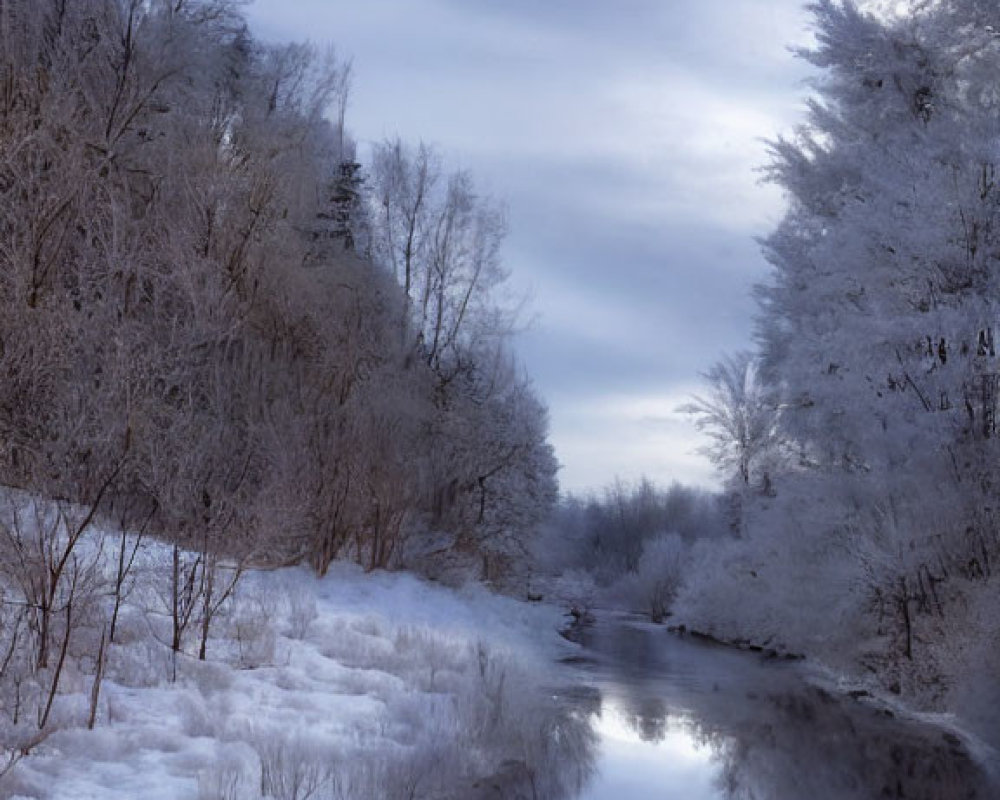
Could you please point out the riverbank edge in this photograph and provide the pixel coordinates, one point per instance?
(866, 692)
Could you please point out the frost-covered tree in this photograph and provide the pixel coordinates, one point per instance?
(879, 314)
(652, 588)
(878, 329)
(490, 472)
(193, 330)
(740, 416)
(441, 238)
(492, 478)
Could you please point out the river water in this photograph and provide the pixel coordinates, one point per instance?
(676, 718)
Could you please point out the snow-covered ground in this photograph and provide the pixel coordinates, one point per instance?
(350, 686)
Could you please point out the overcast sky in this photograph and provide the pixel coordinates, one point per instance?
(624, 137)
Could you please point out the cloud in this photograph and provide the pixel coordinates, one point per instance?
(629, 435)
(625, 138)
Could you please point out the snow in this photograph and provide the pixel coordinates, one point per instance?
(389, 666)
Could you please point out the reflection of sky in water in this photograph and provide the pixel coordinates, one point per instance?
(630, 767)
(676, 720)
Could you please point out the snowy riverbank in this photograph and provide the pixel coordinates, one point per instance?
(352, 685)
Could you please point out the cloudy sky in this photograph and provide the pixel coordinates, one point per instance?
(624, 137)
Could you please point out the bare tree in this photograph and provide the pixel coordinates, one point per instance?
(740, 416)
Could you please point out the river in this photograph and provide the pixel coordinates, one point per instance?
(676, 718)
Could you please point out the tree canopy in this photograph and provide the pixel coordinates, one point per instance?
(204, 309)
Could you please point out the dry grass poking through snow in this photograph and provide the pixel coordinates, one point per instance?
(354, 686)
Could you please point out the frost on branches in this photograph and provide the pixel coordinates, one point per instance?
(878, 333)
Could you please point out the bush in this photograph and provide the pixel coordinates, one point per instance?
(576, 590)
(652, 588)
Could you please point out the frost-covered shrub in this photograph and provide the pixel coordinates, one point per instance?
(141, 663)
(788, 583)
(291, 767)
(576, 590)
(251, 613)
(227, 780)
(256, 641)
(196, 719)
(431, 659)
(301, 611)
(540, 747)
(429, 768)
(362, 642)
(651, 589)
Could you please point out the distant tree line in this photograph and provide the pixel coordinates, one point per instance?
(627, 546)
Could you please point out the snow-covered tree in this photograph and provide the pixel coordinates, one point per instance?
(878, 323)
(740, 416)
(192, 322)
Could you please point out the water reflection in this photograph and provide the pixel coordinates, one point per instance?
(632, 766)
(682, 720)
(648, 718)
